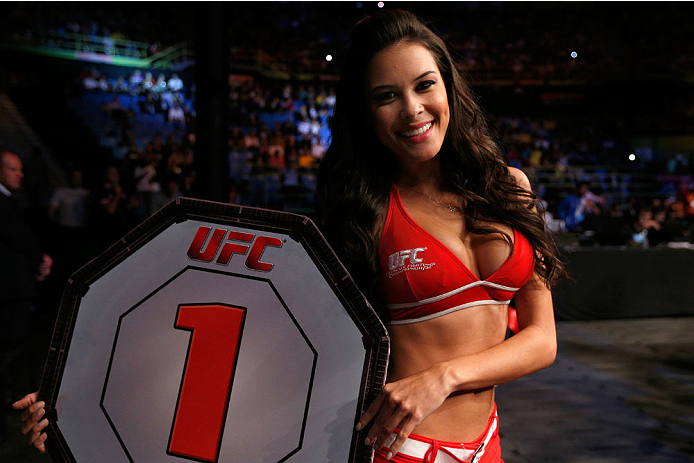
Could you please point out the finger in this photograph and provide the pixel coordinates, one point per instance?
(40, 443)
(26, 414)
(31, 421)
(42, 424)
(32, 409)
(370, 412)
(35, 435)
(25, 401)
(402, 436)
(380, 425)
(395, 421)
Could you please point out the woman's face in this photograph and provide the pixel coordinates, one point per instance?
(408, 102)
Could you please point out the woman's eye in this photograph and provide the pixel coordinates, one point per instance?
(385, 96)
(425, 85)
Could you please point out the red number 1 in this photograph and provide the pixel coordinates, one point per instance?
(204, 396)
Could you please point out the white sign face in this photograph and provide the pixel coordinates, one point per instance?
(213, 334)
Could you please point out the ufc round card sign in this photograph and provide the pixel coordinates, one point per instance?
(213, 333)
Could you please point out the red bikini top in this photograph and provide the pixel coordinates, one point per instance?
(422, 279)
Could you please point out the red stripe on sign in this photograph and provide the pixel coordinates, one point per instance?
(207, 377)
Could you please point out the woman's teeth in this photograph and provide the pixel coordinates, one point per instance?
(419, 131)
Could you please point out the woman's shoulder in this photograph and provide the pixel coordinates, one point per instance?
(520, 177)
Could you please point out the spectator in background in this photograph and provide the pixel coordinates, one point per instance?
(177, 117)
(150, 103)
(160, 84)
(236, 140)
(568, 210)
(251, 140)
(91, 81)
(21, 264)
(175, 83)
(306, 159)
(135, 81)
(115, 109)
(304, 126)
(661, 234)
(317, 148)
(146, 182)
(170, 191)
(148, 82)
(72, 241)
(37, 184)
(69, 205)
(115, 213)
(121, 86)
(637, 231)
(589, 207)
(575, 206)
(103, 84)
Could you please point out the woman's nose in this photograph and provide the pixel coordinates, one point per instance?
(412, 107)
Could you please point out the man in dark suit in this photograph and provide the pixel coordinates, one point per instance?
(21, 264)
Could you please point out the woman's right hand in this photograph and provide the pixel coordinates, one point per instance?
(404, 404)
(31, 426)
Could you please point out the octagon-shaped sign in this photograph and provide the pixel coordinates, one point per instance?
(214, 333)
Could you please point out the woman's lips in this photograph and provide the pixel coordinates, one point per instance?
(419, 134)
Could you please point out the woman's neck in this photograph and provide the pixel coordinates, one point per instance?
(425, 175)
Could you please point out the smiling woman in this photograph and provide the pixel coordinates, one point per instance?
(417, 201)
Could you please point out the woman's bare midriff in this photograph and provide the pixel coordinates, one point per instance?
(464, 415)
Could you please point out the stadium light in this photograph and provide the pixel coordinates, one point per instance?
(328, 57)
(381, 4)
(632, 157)
(574, 54)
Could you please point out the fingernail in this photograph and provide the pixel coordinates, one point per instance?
(367, 441)
(358, 428)
(389, 455)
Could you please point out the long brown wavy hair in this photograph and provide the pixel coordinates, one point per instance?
(357, 173)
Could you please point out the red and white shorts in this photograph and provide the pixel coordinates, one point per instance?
(419, 449)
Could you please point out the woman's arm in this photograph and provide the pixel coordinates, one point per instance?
(532, 349)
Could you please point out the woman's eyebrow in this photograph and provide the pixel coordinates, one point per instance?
(419, 77)
(382, 87)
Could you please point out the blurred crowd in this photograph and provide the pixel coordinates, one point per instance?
(279, 128)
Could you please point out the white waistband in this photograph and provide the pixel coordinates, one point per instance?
(416, 449)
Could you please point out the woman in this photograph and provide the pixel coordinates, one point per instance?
(418, 202)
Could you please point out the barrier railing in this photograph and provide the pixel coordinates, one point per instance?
(109, 50)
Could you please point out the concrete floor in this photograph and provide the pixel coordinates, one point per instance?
(620, 391)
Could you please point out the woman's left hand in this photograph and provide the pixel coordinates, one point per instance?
(31, 426)
(404, 404)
